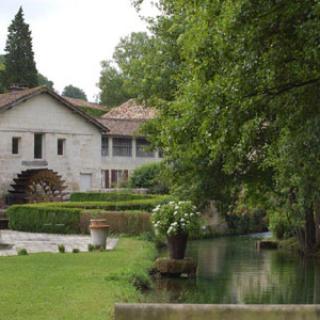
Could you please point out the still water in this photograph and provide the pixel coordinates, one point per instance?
(231, 270)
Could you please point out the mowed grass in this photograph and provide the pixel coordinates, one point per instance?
(72, 286)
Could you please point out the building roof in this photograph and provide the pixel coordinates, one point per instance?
(131, 110)
(86, 104)
(127, 119)
(11, 99)
(122, 127)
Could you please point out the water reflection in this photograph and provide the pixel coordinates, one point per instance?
(231, 270)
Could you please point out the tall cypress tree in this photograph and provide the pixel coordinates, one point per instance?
(19, 57)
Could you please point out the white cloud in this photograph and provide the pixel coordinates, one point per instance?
(72, 37)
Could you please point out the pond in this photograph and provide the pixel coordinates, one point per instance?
(231, 270)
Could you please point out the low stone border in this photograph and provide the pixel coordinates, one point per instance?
(43, 242)
(216, 312)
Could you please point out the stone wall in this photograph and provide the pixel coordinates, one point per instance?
(216, 312)
(43, 114)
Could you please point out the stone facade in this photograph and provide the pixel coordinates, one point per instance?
(82, 165)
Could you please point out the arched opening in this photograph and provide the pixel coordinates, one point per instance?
(36, 185)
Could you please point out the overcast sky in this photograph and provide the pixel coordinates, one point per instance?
(72, 37)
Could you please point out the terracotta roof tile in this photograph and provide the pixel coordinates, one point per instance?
(131, 110)
(7, 99)
(122, 127)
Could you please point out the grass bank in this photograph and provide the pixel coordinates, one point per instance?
(70, 286)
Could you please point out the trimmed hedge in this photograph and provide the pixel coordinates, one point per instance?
(128, 217)
(141, 204)
(107, 196)
(38, 218)
(131, 223)
(35, 218)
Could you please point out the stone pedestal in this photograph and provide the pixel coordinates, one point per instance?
(99, 231)
(176, 268)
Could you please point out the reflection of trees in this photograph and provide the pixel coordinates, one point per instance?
(292, 280)
(231, 271)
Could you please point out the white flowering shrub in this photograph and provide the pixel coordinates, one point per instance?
(175, 218)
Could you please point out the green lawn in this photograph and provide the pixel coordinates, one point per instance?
(72, 286)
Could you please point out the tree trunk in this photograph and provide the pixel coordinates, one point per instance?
(310, 231)
(317, 223)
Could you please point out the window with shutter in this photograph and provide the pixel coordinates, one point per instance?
(122, 147)
(118, 177)
(15, 145)
(142, 149)
(104, 146)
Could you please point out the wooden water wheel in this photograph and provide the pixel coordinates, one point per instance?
(37, 185)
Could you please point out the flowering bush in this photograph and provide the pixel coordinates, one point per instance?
(175, 217)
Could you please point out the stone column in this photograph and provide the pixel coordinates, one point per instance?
(134, 148)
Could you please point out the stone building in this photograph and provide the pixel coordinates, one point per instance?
(41, 130)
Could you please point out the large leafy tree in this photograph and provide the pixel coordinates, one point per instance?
(246, 106)
(74, 92)
(19, 56)
(143, 66)
(112, 85)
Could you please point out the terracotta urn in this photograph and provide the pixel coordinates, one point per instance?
(99, 232)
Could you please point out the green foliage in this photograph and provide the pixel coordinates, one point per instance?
(40, 218)
(280, 225)
(22, 252)
(44, 81)
(2, 73)
(144, 67)
(130, 223)
(61, 248)
(124, 216)
(91, 247)
(112, 85)
(137, 274)
(149, 176)
(139, 204)
(247, 221)
(75, 250)
(176, 217)
(97, 113)
(74, 92)
(108, 196)
(19, 58)
(245, 108)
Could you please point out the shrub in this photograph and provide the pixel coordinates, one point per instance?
(107, 196)
(75, 250)
(122, 222)
(127, 217)
(138, 204)
(149, 176)
(176, 217)
(91, 247)
(61, 248)
(280, 225)
(41, 218)
(247, 220)
(22, 252)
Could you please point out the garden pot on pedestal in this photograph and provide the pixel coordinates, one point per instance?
(99, 231)
(177, 245)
